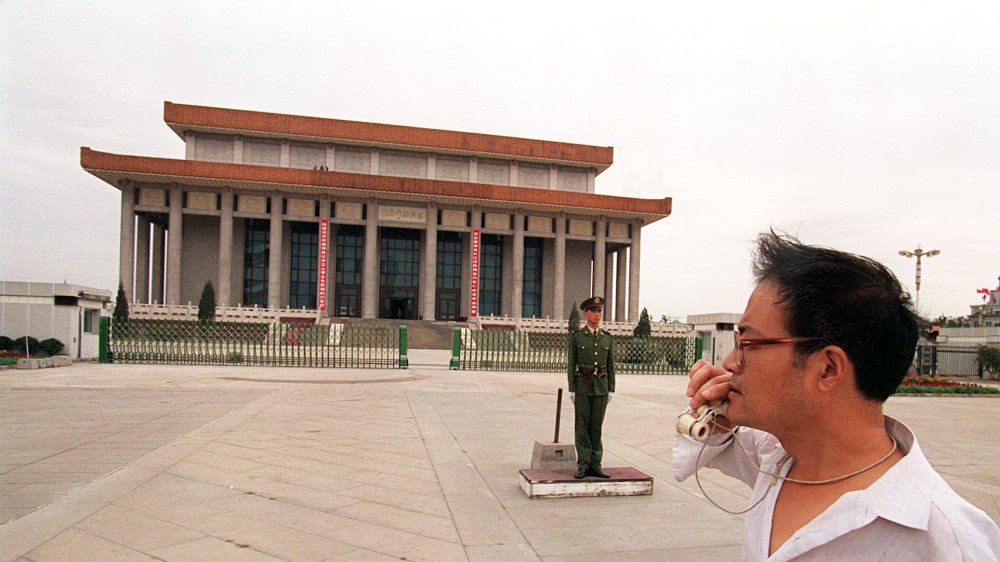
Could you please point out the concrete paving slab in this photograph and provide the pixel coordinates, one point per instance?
(134, 462)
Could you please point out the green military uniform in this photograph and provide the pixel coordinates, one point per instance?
(589, 350)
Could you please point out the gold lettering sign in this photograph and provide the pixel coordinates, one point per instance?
(402, 214)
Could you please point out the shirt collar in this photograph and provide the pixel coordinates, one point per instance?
(912, 473)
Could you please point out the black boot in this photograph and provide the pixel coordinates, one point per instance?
(598, 473)
(580, 473)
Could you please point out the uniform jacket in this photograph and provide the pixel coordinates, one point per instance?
(596, 349)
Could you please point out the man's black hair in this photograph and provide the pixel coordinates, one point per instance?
(851, 301)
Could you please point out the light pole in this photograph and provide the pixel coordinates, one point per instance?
(918, 253)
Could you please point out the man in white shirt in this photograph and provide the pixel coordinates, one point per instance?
(825, 339)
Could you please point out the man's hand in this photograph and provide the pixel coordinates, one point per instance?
(610, 396)
(707, 382)
(572, 397)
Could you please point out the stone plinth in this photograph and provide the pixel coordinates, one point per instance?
(553, 455)
(559, 483)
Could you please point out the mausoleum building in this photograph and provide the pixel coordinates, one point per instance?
(369, 220)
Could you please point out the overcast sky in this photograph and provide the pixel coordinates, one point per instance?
(866, 126)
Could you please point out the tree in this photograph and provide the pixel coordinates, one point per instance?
(574, 319)
(121, 305)
(988, 358)
(206, 305)
(643, 328)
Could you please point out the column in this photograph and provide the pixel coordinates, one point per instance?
(553, 177)
(142, 260)
(175, 228)
(126, 248)
(331, 157)
(517, 269)
(285, 156)
(513, 173)
(238, 149)
(559, 286)
(224, 289)
(369, 279)
(633, 272)
(189, 145)
(609, 280)
(331, 251)
(620, 285)
(159, 241)
(275, 247)
(599, 257)
(476, 220)
(428, 281)
(431, 166)
(473, 170)
(373, 162)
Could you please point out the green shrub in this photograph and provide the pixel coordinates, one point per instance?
(32, 345)
(206, 305)
(6, 344)
(121, 304)
(51, 346)
(988, 358)
(574, 319)
(643, 328)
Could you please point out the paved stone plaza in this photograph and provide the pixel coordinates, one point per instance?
(125, 462)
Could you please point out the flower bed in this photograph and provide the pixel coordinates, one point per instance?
(924, 384)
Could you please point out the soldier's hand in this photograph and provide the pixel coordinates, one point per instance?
(572, 397)
(708, 382)
(610, 396)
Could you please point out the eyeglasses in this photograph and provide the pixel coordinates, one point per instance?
(741, 343)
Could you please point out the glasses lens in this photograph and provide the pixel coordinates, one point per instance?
(738, 346)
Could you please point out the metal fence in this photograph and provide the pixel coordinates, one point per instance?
(508, 350)
(287, 344)
(947, 360)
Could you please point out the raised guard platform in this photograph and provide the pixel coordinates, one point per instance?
(559, 483)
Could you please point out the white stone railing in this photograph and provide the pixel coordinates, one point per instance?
(222, 313)
(554, 325)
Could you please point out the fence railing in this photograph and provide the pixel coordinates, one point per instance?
(290, 344)
(508, 350)
(947, 360)
(550, 325)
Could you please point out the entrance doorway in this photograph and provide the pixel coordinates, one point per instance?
(399, 273)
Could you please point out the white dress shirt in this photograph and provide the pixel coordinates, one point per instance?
(909, 513)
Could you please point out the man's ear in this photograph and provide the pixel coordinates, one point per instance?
(833, 368)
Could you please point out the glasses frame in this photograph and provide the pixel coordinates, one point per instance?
(740, 343)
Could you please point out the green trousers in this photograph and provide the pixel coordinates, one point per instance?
(589, 419)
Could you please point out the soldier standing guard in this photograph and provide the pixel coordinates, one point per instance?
(591, 385)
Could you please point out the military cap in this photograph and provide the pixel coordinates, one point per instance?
(593, 302)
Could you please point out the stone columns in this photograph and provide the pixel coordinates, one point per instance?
(142, 260)
(559, 286)
(600, 250)
(224, 289)
(126, 248)
(175, 228)
(517, 269)
(370, 277)
(275, 247)
(609, 279)
(331, 251)
(633, 272)
(428, 266)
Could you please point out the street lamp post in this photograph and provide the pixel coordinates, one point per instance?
(918, 253)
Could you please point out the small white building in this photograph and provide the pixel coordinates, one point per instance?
(716, 333)
(68, 313)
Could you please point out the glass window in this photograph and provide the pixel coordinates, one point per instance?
(305, 257)
(91, 321)
(256, 245)
(399, 267)
(532, 306)
(349, 269)
(490, 274)
(449, 275)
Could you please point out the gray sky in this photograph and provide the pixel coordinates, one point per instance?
(867, 126)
